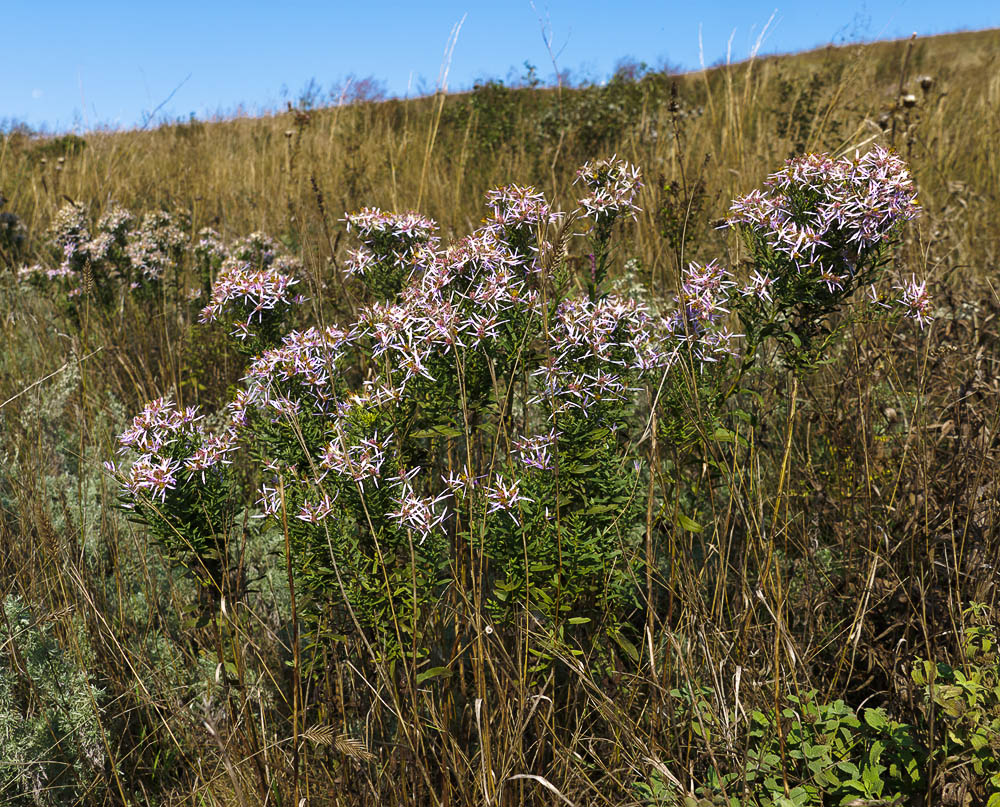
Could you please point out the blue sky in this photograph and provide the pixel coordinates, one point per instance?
(76, 65)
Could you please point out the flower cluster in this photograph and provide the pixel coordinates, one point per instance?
(825, 217)
(360, 462)
(421, 514)
(518, 217)
(536, 452)
(389, 432)
(704, 293)
(116, 222)
(36, 271)
(598, 348)
(466, 297)
(614, 185)
(374, 225)
(243, 295)
(154, 248)
(515, 206)
(698, 322)
(71, 236)
(210, 253)
(393, 244)
(299, 372)
(503, 497)
(121, 252)
(916, 301)
(171, 445)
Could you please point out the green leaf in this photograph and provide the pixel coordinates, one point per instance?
(434, 672)
(876, 718)
(578, 620)
(849, 768)
(875, 754)
(625, 644)
(816, 751)
(448, 431)
(978, 740)
(687, 524)
(723, 435)
(872, 780)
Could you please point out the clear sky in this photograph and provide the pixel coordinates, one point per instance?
(76, 65)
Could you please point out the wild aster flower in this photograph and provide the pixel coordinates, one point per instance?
(360, 261)
(503, 497)
(158, 425)
(596, 345)
(875, 298)
(116, 223)
(482, 328)
(422, 514)
(614, 185)
(155, 246)
(300, 367)
(243, 295)
(210, 248)
(461, 482)
(536, 452)
(361, 462)
(393, 237)
(315, 512)
(373, 224)
(269, 501)
(831, 279)
(156, 475)
(215, 450)
(34, 272)
(822, 214)
(71, 235)
(100, 246)
(517, 206)
(759, 286)
(915, 299)
(704, 292)
(395, 248)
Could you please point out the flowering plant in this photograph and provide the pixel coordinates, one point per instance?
(254, 302)
(473, 432)
(178, 482)
(819, 231)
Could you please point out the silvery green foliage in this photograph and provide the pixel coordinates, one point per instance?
(51, 749)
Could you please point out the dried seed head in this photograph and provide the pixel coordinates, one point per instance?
(909, 100)
(88, 278)
(926, 82)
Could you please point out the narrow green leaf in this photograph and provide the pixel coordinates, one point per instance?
(686, 523)
(433, 672)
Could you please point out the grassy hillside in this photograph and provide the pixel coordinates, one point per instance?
(772, 577)
(729, 128)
